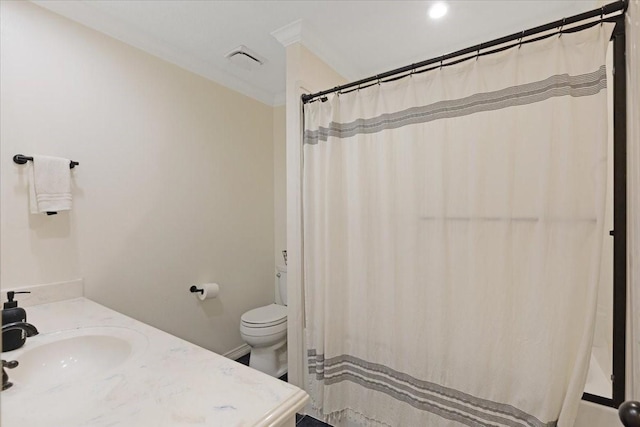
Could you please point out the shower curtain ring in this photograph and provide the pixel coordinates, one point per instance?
(561, 27)
(441, 62)
(521, 37)
(601, 15)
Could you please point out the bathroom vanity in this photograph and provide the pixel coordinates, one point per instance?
(92, 366)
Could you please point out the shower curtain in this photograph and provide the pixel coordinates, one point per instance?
(452, 235)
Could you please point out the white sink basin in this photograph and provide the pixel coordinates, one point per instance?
(73, 355)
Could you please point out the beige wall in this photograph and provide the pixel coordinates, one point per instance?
(279, 183)
(633, 197)
(174, 185)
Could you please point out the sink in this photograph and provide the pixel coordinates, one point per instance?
(73, 355)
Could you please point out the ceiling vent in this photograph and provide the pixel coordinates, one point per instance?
(245, 58)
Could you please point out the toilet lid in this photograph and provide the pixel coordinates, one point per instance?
(269, 314)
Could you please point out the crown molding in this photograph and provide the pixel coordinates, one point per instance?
(302, 32)
(82, 13)
(289, 34)
(280, 99)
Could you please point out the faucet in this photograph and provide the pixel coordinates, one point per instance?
(30, 331)
(28, 328)
(5, 378)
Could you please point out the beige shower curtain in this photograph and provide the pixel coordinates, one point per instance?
(452, 236)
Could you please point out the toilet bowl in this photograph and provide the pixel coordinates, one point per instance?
(264, 329)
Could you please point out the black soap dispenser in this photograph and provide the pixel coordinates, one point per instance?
(12, 313)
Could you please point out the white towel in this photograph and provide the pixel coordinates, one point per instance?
(49, 185)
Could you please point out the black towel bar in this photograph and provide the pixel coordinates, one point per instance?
(21, 159)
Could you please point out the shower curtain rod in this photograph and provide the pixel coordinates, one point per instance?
(559, 24)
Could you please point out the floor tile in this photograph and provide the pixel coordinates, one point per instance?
(308, 421)
(244, 359)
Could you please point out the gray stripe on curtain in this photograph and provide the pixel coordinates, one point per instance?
(554, 86)
(420, 394)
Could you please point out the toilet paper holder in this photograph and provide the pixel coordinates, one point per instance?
(205, 291)
(194, 289)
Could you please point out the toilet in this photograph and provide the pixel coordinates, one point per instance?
(265, 330)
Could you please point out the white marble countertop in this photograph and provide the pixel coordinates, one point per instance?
(169, 382)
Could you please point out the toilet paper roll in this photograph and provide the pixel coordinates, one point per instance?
(210, 290)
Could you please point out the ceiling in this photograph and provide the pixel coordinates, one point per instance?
(357, 38)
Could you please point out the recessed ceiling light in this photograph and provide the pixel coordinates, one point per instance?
(438, 10)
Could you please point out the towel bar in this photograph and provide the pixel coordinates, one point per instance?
(21, 159)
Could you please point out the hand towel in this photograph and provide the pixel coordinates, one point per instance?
(50, 185)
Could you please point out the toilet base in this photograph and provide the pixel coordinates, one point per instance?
(271, 360)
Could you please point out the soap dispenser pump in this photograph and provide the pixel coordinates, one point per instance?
(11, 313)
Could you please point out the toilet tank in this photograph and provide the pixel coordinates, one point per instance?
(282, 284)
